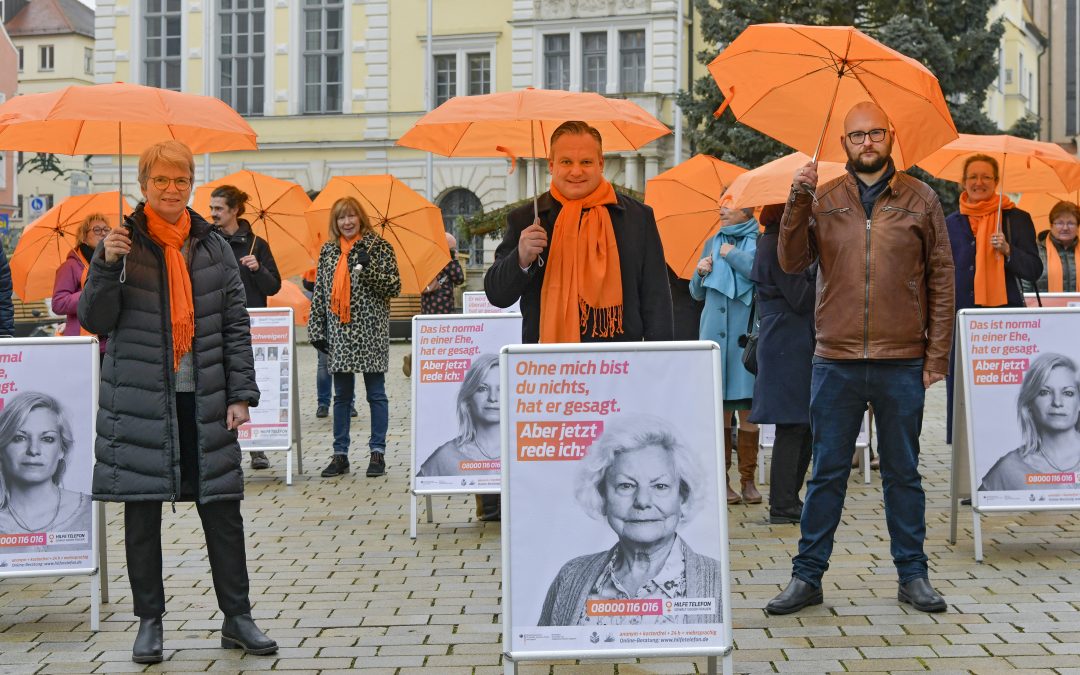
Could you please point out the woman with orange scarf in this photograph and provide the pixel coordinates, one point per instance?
(990, 261)
(71, 276)
(1058, 250)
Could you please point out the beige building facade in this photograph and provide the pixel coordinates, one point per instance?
(1016, 93)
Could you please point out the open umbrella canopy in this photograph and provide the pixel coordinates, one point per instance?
(686, 202)
(1039, 204)
(45, 243)
(771, 183)
(119, 118)
(1025, 165)
(291, 295)
(796, 84)
(519, 123)
(275, 208)
(411, 224)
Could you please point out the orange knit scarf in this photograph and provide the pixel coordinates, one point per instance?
(341, 290)
(171, 237)
(989, 264)
(1055, 273)
(583, 281)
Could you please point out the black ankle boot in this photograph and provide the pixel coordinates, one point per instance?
(149, 643)
(240, 632)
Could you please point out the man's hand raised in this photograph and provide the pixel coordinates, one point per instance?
(532, 241)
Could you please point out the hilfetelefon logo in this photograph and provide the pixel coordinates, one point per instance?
(690, 606)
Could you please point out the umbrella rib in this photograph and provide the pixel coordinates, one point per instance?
(408, 258)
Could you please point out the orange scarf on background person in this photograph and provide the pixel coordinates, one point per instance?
(341, 290)
(583, 281)
(171, 237)
(1055, 273)
(989, 264)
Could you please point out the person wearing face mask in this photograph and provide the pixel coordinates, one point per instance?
(350, 321)
(722, 280)
(1057, 250)
(71, 276)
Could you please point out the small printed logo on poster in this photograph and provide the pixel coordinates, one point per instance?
(69, 538)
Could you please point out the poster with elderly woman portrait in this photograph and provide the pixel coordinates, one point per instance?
(456, 400)
(1022, 380)
(614, 533)
(47, 402)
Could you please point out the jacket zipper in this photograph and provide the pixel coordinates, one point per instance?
(866, 297)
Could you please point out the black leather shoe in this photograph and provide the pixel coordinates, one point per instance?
(322, 411)
(784, 518)
(149, 643)
(377, 466)
(339, 464)
(921, 595)
(797, 595)
(259, 460)
(240, 632)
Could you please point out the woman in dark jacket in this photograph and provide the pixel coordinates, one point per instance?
(176, 383)
(785, 307)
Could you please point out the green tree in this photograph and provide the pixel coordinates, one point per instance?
(950, 37)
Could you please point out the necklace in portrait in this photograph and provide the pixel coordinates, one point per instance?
(1049, 461)
(44, 528)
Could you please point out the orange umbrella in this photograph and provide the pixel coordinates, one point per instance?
(45, 243)
(411, 224)
(291, 295)
(275, 208)
(686, 202)
(1039, 204)
(796, 84)
(771, 183)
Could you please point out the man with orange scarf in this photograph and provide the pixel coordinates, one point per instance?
(591, 267)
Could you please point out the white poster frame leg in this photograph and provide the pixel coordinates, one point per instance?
(297, 441)
(413, 513)
(95, 601)
(103, 552)
(761, 473)
(976, 532)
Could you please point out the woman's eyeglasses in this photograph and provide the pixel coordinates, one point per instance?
(99, 230)
(1064, 223)
(163, 182)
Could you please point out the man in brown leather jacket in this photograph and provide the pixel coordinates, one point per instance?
(884, 326)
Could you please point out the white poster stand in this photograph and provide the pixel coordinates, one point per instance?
(768, 436)
(455, 397)
(49, 386)
(476, 302)
(609, 448)
(1053, 299)
(275, 422)
(1015, 404)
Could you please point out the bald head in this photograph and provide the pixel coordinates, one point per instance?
(865, 111)
(451, 241)
(868, 124)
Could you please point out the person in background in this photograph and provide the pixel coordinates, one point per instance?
(785, 306)
(685, 309)
(722, 280)
(71, 276)
(438, 296)
(176, 385)
(350, 322)
(7, 307)
(1057, 250)
(258, 270)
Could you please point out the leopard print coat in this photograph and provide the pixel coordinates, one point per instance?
(363, 344)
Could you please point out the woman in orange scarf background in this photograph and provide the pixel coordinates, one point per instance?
(990, 261)
(1057, 248)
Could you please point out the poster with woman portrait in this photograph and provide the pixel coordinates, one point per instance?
(48, 390)
(456, 394)
(614, 531)
(1021, 372)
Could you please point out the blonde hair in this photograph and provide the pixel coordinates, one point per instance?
(341, 206)
(173, 153)
(87, 222)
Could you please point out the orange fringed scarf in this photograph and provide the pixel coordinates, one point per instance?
(171, 237)
(989, 264)
(1055, 273)
(583, 282)
(341, 290)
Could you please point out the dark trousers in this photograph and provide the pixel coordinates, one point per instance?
(790, 459)
(223, 527)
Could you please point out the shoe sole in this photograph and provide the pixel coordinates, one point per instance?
(156, 658)
(233, 643)
(783, 520)
(929, 609)
(814, 600)
(332, 475)
(372, 474)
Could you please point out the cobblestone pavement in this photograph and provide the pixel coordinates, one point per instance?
(337, 581)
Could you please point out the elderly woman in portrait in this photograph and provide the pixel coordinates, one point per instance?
(1048, 409)
(35, 442)
(645, 483)
(478, 422)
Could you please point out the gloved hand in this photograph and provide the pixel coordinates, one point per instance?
(363, 257)
(321, 345)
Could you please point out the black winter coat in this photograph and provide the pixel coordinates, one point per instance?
(7, 308)
(259, 285)
(785, 308)
(647, 311)
(1023, 264)
(137, 445)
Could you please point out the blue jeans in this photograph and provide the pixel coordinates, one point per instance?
(839, 393)
(323, 381)
(378, 404)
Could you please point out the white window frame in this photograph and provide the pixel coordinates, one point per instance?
(138, 35)
(268, 53)
(610, 25)
(296, 58)
(88, 60)
(20, 55)
(461, 47)
(42, 51)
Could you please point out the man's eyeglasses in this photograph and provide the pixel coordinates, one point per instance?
(1064, 223)
(99, 230)
(162, 183)
(858, 137)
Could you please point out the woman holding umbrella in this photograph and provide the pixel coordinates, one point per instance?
(990, 262)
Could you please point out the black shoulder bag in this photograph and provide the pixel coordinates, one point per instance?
(748, 342)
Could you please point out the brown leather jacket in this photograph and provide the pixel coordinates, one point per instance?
(884, 285)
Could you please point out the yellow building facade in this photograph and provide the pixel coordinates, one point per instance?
(1016, 92)
(330, 85)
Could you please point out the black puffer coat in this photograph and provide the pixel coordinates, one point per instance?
(137, 446)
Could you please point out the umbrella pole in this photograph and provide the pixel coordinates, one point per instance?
(536, 172)
(1001, 193)
(807, 188)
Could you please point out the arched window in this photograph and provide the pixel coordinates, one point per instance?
(462, 202)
